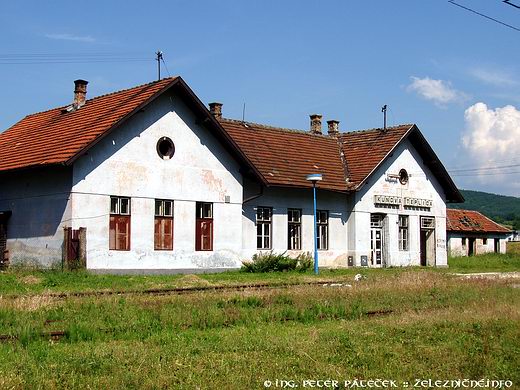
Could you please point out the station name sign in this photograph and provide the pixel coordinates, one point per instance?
(406, 201)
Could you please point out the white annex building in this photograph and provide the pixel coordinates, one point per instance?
(149, 179)
(471, 233)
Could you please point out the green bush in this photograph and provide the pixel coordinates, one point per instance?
(273, 262)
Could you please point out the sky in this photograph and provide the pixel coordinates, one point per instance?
(454, 73)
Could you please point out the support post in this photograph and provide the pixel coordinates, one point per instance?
(82, 250)
(315, 232)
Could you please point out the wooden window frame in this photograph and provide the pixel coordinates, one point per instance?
(120, 215)
(322, 222)
(264, 221)
(404, 233)
(204, 224)
(294, 229)
(163, 225)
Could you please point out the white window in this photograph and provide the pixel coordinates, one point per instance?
(427, 223)
(403, 233)
(294, 217)
(322, 221)
(376, 221)
(120, 206)
(263, 227)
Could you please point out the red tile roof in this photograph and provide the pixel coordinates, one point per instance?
(275, 156)
(285, 157)
(365, 150)
(55, 136)
(469, 221)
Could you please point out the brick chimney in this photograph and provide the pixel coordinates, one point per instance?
(333, 127)
(315, 123)
(216, 110)
(80, 93)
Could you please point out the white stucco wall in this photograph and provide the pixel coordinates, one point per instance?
(455, 247)
(40, 206)
(280, 199)
(126, 164)
(421, 184)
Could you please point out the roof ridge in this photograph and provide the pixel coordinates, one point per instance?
(379, 128)
(286, 129)
(474, 211)
(277, 128)
(101, 96)
(134, 87)
(270, 127)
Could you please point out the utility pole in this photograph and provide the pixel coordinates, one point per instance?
(383, 110)
(159, 58)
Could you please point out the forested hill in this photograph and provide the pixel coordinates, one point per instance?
(500, 208)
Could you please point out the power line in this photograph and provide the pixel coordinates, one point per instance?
(71, 62)
(68, 58)
(484, 168)
(506, 160)
(511, 4)
(166, 67)
(484, 16)
(486, 174)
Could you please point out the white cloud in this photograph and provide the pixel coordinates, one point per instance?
(438, 91)
(494, 77)
(70, 37)
(492, 139)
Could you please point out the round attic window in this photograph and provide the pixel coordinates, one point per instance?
(403, 176)
(165, 148)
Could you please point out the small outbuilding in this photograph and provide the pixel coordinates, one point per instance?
(470, 233)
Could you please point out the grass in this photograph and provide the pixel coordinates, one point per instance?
(490, 262)
(22, 281)
(400, 325)
(513, 247)
(32, 281)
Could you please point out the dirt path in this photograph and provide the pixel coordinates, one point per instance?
(490, 275)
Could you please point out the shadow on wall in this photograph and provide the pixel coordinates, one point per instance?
(38, 200)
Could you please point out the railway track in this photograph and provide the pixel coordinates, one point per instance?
(180, 290)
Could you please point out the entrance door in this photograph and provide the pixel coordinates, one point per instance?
(471, 246)
(376, 240)
(423, 247)
(497, 245)
(376, 236)
(427, 241)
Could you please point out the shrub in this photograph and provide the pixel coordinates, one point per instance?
(273, 262)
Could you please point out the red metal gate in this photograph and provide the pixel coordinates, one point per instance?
(72, 244)
(74, 247)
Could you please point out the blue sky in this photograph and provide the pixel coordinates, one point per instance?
(454, 73)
